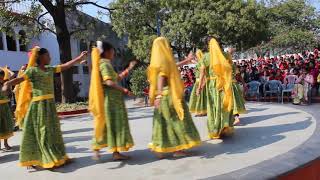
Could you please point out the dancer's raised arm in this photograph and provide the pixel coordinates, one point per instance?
(74, 61)
(125, 73)
(187, 60)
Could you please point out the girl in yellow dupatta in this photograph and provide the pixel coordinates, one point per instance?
(238, 98)
(42, 142)
(198, 101)
(218, 71)
(106, 102)
(173, 128)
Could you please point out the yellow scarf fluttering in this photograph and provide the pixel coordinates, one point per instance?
(25, 93)
(7, 73)
(199, 54)
(18, 86)
(96, 96)
(163, 63)
(223, 70)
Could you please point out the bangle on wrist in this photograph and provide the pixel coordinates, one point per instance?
(159, 97)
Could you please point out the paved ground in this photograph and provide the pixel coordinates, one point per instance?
(268, 132)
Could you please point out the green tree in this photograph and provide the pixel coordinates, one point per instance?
(186, 22)
(138, 81)
(52, 16)
(294, 24)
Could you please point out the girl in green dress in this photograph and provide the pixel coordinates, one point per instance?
(198, 100)
(6, 120)
(216, 72)
(238, 99)
(42, 143)
(173, 128)
(106, 102)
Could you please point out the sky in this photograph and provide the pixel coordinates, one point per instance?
(92, 10)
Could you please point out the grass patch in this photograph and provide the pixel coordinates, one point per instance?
(63, 107)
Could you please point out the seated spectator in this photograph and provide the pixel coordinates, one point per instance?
(291, 78)
(264, 76)
(244, 74)
(279, 75)
(302, 88)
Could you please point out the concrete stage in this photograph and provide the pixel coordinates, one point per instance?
(273, 140)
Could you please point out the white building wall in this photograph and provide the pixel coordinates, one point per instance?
(48, 40)
(82, 78)
(15, 59)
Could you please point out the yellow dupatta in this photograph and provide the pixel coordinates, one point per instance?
(7, 73)
(17, 89)
(25, 93)
(163, 64)
(96, 96)
(199, 54)
(223, 70)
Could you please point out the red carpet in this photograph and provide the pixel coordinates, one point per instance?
(309, 172)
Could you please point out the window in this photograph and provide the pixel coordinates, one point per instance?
(85, 70)
(22, 40)
(11, 42)
(75, 70)
(1, 43)
(83, 45)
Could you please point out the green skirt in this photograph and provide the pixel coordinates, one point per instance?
(117, 134)
(238, 100)
(6, 121)
(220, 122)
(198, 104)
(169, 133)
(42, 143)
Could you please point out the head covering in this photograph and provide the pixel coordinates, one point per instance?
(7, 73)
(163, 63)
(25, 95)
(199, 54)
(223, 70)
(96, 96)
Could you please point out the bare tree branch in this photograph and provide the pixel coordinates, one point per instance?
(49, 6)
(90, 3)
(42, 15)
(9, 1)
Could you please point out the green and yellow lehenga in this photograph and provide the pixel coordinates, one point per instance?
(169, 133)
(198, 104)
(173, 128)
(117, 135)
(220, 121)
(6, 120)
(42, 142)
(238, 99)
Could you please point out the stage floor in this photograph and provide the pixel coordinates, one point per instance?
(273, 139)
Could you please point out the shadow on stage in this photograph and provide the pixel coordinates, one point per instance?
(244, 140)
(247, 139)
(255, 119)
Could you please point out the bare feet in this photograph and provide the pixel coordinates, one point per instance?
(31, 168)
(237, 121)
(119, 157)
(6, 145)
(96, 156)
(179, 154)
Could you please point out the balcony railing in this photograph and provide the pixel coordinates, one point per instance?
(21, 7)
